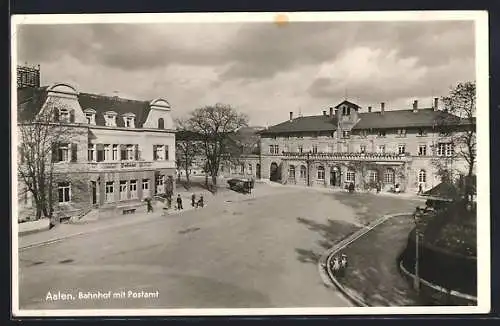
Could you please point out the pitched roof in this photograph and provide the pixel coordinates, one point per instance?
(119, 105)
(404, 119)
(308, 123)
(30, 100)
(425, 117)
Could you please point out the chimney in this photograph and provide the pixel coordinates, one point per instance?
(415, 106)
(436, 101)
(324, 112)
(369, 109)
(291, 116)
(331, 112)
(382, 107)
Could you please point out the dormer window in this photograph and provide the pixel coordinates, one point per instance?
(346, 111)
(110, 118)
(129, 120)
(90, 116)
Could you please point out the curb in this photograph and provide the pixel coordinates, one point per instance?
(437, 287)
(324, 262)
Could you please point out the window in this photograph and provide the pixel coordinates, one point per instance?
(422, 176)
(250, 169)
(160, 184)
(110, 191)
(159, 152)
(303, 172)
(133, 189)
(63, 153)
(64, 191)
(242, 168)
(166, 152)
(362, 148)
(130, 152)
(315, 149)
(389, 176)
(422, 150)
(291, 172)
(321, 173)
(107, 152)
(402, 132)
(346, 134)
(350, 176)
(145, 188)
(381, 133)
(445, 149)
(346, 111)
(362, 133)
(161, 123)
(373, 176)
(115, 153)
(401, 149)
(300, 148)
(422, 132)
(64, 115)
(123, 190)
(90, 116)
(129, 121)
(110, 119)
(381, 148)
(92, 152)
(273, 149)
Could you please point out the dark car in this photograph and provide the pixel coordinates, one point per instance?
(240, 185)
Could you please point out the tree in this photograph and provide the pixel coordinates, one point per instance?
(457, 127)
(39, 138)
(215, 126)
(188, 147)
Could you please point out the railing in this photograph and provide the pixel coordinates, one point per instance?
(349, 156)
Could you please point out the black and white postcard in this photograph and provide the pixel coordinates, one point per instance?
(250, 164)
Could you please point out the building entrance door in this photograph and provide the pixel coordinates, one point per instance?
(334, 177)
(274, 172)
(94, 193)
(257, 172)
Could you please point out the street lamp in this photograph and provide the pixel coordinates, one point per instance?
(416, 279)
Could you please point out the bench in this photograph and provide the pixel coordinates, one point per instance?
(128, 211)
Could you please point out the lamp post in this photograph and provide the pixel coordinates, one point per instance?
(416, 279)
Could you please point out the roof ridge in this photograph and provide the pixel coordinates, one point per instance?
(113, 97)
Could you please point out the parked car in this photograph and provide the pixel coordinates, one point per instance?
(241, 185)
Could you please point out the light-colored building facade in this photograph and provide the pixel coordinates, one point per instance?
(347, 144)
(121, 151)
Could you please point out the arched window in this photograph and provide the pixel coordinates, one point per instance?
(422, 176)
(321, 173)
(389, 176)
(161, 124)
(303, 172)
(291, 171)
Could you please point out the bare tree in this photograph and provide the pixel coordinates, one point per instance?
(188, 147)
(215, 125)
(457, 130)
(38, 143)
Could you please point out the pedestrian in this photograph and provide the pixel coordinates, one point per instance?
(149, 205)
(379, 187)
(420, 189)
(179, 202)
(193, 200)
(336, 265)
(200, 201)
(343, 264)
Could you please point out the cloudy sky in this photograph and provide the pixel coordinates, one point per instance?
(262, 69)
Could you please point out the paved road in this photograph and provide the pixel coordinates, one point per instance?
(253, 253)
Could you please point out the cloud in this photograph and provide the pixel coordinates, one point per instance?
(263, 69)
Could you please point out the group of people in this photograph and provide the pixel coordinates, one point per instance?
(194, 203)
(339, 264)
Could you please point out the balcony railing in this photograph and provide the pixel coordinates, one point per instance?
(350, 156)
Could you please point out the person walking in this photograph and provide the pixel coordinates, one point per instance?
(179, 202)
(149, 205)
(200, 202)
(193, 200)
